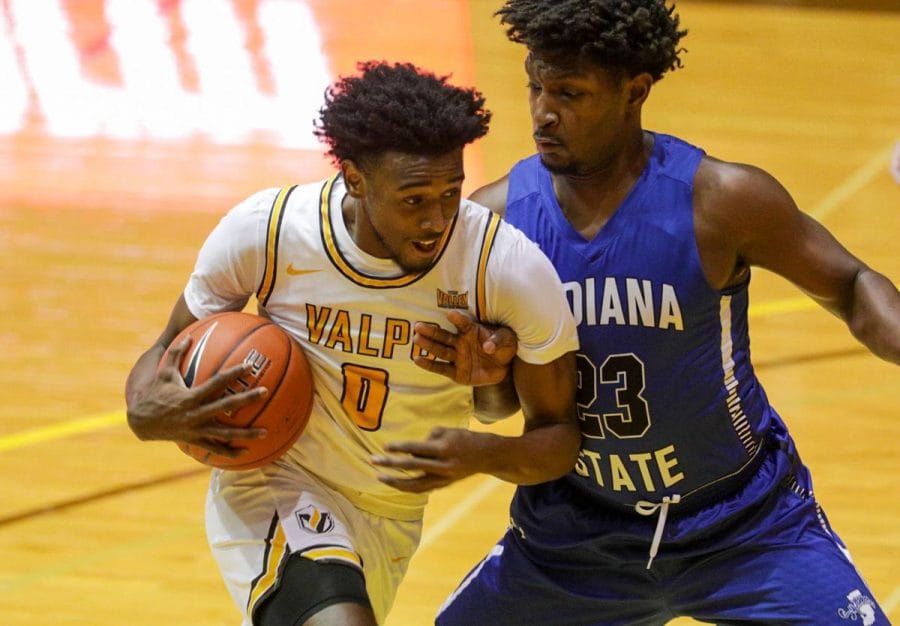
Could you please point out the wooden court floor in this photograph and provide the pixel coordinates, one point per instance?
(99, 529)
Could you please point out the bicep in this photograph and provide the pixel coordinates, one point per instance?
(767, 229)
(546, 392)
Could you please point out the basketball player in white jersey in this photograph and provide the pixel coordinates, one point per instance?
(350, 266)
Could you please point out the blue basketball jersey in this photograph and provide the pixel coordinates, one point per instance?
(669, 406)
(668, 400)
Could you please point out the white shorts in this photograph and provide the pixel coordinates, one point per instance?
(256, 519)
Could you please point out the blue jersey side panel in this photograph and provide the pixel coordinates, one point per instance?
(668, 401)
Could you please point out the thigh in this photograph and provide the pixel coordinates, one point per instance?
(796, 571)
(257, 520)
(508, 588)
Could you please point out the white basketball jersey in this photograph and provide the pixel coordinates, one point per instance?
(354, 315)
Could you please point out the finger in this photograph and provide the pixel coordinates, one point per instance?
(230, 402)
(229, 434)
(219, 447)
(462, 321)
(438, 367)
(502, 337)
(416, 485)
(435, 333)
(175, 353)
(424, 449)
(411, 463)
(440, 350)
(219, 381)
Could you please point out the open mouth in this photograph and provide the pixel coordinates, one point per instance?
(425, 246)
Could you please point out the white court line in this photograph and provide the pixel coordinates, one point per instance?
(446, 522)
(878, 164)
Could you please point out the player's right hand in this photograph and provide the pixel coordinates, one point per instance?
(169, 410)
(475, 355)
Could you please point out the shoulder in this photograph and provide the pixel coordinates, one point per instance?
(254, 207)
(493, 195)
(735, 207)
(736, 187)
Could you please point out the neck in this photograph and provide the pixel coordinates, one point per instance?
(590, 197)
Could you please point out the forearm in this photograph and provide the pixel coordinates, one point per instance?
(495, 402)
(139, 380)
(874, 314)
(538, 455)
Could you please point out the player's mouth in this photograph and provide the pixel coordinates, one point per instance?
(546, 144)
(425, 246)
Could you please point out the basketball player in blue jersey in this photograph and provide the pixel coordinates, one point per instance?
(349, 266)
(689, 497)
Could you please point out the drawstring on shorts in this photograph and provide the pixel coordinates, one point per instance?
(649, 508)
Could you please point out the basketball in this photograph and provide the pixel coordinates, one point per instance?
(277, 362)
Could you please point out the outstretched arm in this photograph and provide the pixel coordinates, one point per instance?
(746, 218)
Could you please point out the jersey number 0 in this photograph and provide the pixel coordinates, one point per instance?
(365, 394)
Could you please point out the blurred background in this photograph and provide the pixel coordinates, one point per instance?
(128, 127)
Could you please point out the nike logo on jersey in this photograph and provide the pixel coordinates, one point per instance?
(293, 271)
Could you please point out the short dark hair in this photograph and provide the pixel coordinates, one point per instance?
(634, 36)
(398, 107)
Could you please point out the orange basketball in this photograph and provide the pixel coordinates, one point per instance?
(277, 363)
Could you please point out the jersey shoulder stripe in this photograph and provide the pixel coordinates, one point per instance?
(487, 244)
(276, 215)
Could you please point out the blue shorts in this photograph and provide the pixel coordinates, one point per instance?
(778, 562)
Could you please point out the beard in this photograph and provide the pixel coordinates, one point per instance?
(560, 169)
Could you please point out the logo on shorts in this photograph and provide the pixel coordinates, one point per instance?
(312, 520)
(861, 607)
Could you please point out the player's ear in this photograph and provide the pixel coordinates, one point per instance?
(354, 179)
(639, 88)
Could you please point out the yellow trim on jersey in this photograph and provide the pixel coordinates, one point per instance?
(336, 553)
(277, 552)
(338, 260)
(490, 233)
(269, 272)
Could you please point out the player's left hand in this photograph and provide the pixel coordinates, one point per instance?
(448, 455)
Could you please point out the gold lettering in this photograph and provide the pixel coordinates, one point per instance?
(666, 464)
(396, 333)
(619, 474)
(315, 321)
(340, 332)
(365, 331)
(670, 312)
(642, 460)
(595, 461)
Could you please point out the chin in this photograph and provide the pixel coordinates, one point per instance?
(558, 167)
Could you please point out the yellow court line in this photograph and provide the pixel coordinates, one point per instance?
(62, 430)
(115, 418)
(786, 305)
